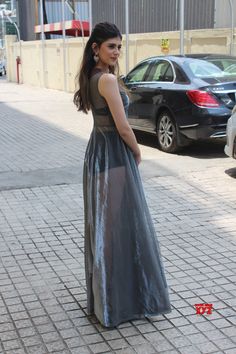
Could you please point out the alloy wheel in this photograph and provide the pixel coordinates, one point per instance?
(166, 132)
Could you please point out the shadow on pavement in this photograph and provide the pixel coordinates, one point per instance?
(34, 152)
(231, 172)
(207, 149)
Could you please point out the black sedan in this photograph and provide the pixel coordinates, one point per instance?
(182, 98)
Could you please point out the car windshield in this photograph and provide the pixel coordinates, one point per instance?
(213, 68)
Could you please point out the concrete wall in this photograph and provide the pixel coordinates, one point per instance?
(60, 75)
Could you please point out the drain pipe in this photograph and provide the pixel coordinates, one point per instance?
(232, 27)
(127, 36)
(181, 25)
(42, 41)
(64, 45)
(90, 17)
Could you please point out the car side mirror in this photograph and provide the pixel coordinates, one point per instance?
(234, 110)
(122, 78)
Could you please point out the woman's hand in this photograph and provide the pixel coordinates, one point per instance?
(137, 157)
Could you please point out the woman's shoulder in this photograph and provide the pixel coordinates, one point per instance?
(107, 84)
(107, 78)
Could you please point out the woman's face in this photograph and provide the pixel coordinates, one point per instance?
(109, 51)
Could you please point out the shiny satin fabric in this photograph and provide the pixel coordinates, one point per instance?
(124, 272)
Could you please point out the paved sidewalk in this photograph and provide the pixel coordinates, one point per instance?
(42, 281)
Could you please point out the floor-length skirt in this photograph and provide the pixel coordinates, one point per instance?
(124, 272)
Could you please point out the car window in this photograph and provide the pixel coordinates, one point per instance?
(161, 71)
(181, 77)
(137, 75)
(226, 65)
(201, 68)
(210, 68)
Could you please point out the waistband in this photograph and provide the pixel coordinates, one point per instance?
(105, 128)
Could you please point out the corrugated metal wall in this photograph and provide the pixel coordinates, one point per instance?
(26, 14)
(199, 14)
(154, 15)
(145, 15)
(223, 13)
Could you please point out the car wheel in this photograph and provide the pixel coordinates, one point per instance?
(167, 133)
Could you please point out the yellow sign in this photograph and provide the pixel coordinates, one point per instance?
(165, 45)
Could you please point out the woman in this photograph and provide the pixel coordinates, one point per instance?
(124, 274)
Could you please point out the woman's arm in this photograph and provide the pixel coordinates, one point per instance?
(109, 89)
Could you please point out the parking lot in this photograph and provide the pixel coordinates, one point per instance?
(191, 196)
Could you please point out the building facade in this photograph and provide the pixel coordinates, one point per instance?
(144, 15)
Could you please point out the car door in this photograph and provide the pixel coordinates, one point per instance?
(153, 92)
(134, 82)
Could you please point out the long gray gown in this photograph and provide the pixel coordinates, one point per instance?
(124, 273)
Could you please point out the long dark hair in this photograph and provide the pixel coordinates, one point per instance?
(101, 32)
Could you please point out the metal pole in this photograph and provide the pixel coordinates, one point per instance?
(3, 29)
(181, 20)
(232, 27)
(64, 44)
(127, 36)
(77, 15)
(12, 5)
(19, 39)
(90, 17)
(42, 41)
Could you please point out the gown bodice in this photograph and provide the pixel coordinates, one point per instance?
(101, 112)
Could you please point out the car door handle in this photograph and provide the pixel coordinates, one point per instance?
(134, 88)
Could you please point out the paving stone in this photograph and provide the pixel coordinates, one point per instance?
(111, 334)
(11, 344)
(198, 338)
(117, 343)
(127, 332)
(39, 349)
(171, 333)
(229, 331)
(179, 342)
(224, 343)
(16, 351)
(133, 340)
(99, 348)
(125, 351)
(146, 349)
(50, 337)
(189, 329)
(82, 350)
(162, 345)
(146, 328)
(93, 338)
(189, 350)
(8, 335)
(229, 351)
(55, 346)
(216, 334)
(207, 348)
(221, 323)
